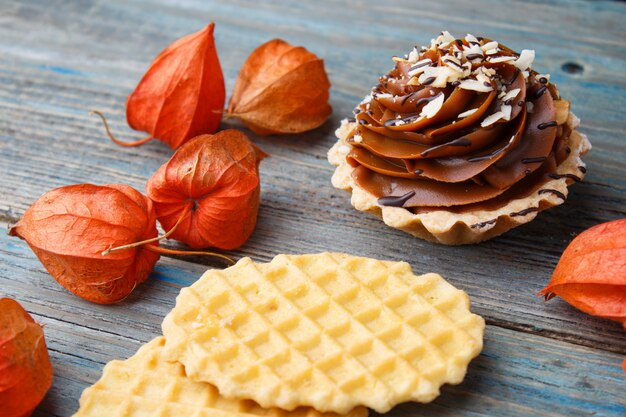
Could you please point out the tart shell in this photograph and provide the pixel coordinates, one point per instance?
(449, 228)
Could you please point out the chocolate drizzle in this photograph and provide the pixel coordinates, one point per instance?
(552, 191)
(432, 158)
(533, 160)
(546, 125)
(556, 176)
(582, 169)
(395, 201)
(483, 224)
(472, 57)
(408, 96)
(524, 212)
(540, 92)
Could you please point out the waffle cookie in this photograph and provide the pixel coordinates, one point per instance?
(330, 331)
(147, 385)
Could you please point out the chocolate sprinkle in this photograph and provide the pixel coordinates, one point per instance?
(524, 212)
(533, 160)
(559, 176)
(552, 191)
(546, 125)
(395, 201)
(483, 224)
(471, 57)
(429, 80)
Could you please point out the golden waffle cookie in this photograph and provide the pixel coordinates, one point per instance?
(147, 385)
(331, 331)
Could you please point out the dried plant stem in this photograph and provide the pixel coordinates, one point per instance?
(160, 249)
(113, 138)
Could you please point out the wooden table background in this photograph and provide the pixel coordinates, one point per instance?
(60, 58)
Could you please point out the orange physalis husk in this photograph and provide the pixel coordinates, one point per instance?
(591, 274)
(181, 95)
(25, 369)
(218, 176)
(68, 229)
(281, 89)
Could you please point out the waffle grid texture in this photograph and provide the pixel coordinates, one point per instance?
(146, 385)
(330, 331)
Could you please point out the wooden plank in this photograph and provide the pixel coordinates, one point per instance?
(55, 143)
(518, 372)
(538, 356)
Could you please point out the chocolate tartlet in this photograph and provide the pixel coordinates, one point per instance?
(460, 142)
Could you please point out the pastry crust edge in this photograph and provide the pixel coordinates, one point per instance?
(449, 228)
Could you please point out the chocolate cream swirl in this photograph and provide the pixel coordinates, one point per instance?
(464, 124)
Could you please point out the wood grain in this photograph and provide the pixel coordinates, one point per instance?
(61, 58)
(518, 373)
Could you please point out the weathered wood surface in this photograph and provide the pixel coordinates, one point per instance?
(60, 58)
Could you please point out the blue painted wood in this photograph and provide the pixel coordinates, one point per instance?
(61, 58)
(516, 374)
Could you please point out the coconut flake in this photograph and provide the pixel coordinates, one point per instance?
(540, 76)
(471, 38)
(490, 45)
(501, 59)
(475, 85)
(491, 119)
(445, 39)
(441, 74)
(357, 138)
(473, 49)
(414, 55)
(491, 51)
(419, 67)
(433, 107)
(529, 107)
(467, 113)
(511, 94)
(506, 111)
(525, 59)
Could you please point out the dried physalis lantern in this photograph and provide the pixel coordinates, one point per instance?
(215, 178)
(181, 95)
(281, 89)
(68, 229)
(25, 369)
(591, 274)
